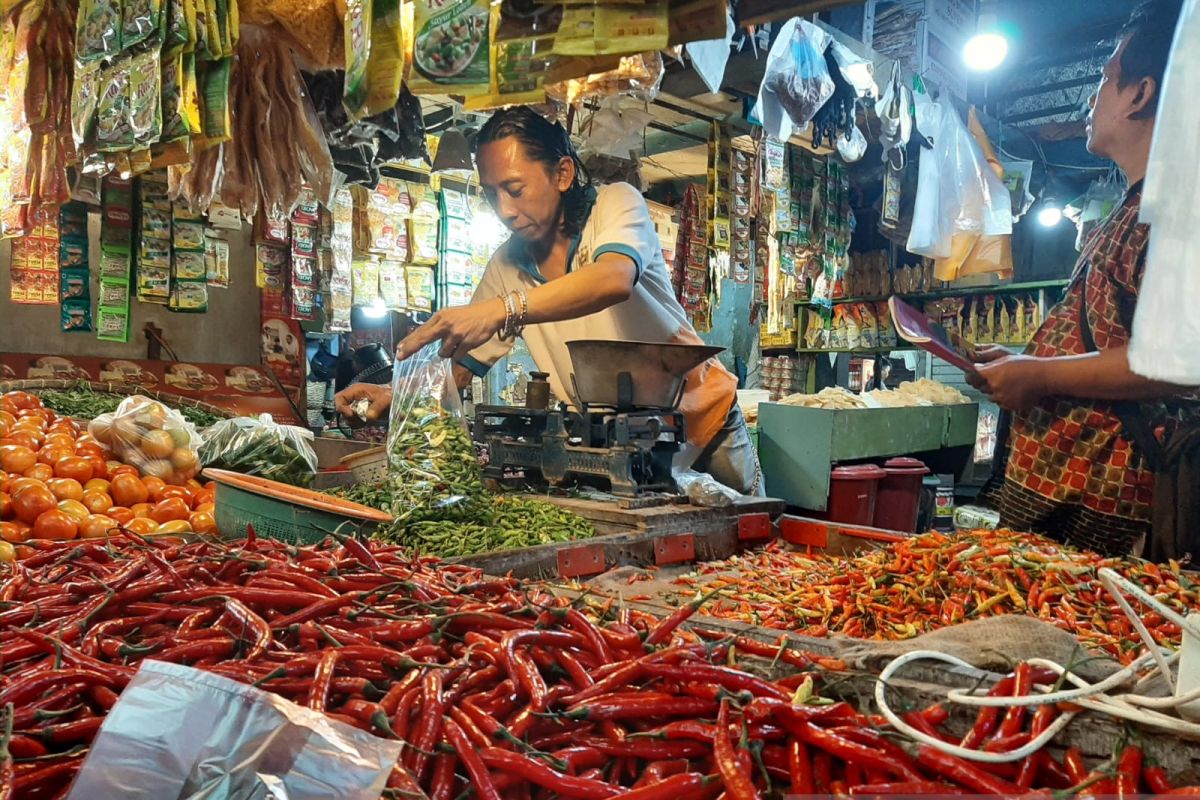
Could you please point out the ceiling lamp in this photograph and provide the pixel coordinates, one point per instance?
(1050, 215)
(988, 48)
(377, 309)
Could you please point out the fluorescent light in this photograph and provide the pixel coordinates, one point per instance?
(1050, 215)
(985, 51)
(377, 308)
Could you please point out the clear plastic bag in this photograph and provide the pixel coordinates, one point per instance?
(796, 82)
(146, 434)
(260, 446)
(703, 489)
(184, 733)
(431, 458)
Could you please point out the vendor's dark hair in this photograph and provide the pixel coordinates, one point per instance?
(546, 142)
(1150, 31)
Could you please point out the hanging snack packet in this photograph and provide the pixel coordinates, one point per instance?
(360, 16)
(113, 130)
(451, 52)
(596, 29)
(214, 90)
(145, 98)
(140, 19)
(97, 30)
(84, 101)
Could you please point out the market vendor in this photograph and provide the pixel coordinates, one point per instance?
(1082, 420)
(582, 263)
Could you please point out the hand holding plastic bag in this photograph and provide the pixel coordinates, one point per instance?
(183, 733)
(148, 435)
(431, 458)
(260, 446)
(703, 489)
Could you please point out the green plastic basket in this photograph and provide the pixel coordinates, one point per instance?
(238, 508)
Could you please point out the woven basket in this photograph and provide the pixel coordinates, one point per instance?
(283, 512)
(369, 466)
(35, 385)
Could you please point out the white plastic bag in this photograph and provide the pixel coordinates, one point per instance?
(146, 434)
(188, 734)
(260, 446)
(1166, 328)
(957, 191)
(796, 82)
(710, 57)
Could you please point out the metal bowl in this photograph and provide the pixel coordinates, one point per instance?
(624, 375)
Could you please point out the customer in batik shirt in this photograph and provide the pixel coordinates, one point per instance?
(1073, 471)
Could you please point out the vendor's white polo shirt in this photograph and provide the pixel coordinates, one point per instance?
(619, 222)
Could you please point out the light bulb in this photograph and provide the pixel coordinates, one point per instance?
(377, 308)
(984, 52)
(1049, 216)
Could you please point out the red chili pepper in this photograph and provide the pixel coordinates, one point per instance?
(1014, 718)
(1129, 771)
(318, 695)
(905, 788)
(1073, 761)
(648, 750)
(429, 724)
(46, 779)
(730, 679)
(918, 721)
(656, 771)
(635, 705)
(578, 759)
(205, 648)
(800, 768)
(1157, 780)
(391, 700)
(936, 714)
(674, 787)
(663, 630)
(21, 746)
(989, 716)
(963, 773)
(81, 730)
(822, 772)
(737, 781)
(441, 786)
(538, 773)
(481, 779)
(23, 690)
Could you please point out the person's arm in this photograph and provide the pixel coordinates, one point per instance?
(603, 283)
(1020, 382)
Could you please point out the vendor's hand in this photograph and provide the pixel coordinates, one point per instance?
(378, 398)
(461, 330)
(986, 354)
(1015, 383)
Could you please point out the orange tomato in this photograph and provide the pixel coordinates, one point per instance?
(142, 525)
(55, 525)
(50, 454)
(175, 526)
(205, 508)
(19, 400)
(65, 488)
(13, 532)
(194, 484)
(21, 480)
(203, 522)
(96, 526)
(7, 509)
(121, 514)
(16, 458)
(7, 417)
(74, 509)
(75, 467)
(142, 509)
(171, 508)
(31, 502)
(41, 472)
(116, 468)
(155, 487)
(99, 467)
(59, 440)
(97, 485)
(128, 490)
(23, 438)
(97, 502)
(83, 448)
(182, 492)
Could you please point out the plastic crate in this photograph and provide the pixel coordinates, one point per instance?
(286, 513)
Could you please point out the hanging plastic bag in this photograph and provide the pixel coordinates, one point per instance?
(796, 82)
(431, 458)
(852, 146)
(858, 71)
(895, 118)
(260, 446)
(146, 434)
(185, 733)
(958, 194)
(709, 58)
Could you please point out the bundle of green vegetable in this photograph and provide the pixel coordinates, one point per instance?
(82, 402)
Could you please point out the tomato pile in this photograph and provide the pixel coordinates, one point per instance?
(59, 483)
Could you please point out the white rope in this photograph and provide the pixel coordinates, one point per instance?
(1136, 708)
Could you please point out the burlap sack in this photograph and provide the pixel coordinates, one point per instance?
(994, 644)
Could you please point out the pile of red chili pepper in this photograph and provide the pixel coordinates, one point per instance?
(499, 689)
(935, 580)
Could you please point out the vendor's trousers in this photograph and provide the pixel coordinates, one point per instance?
(731, 457)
